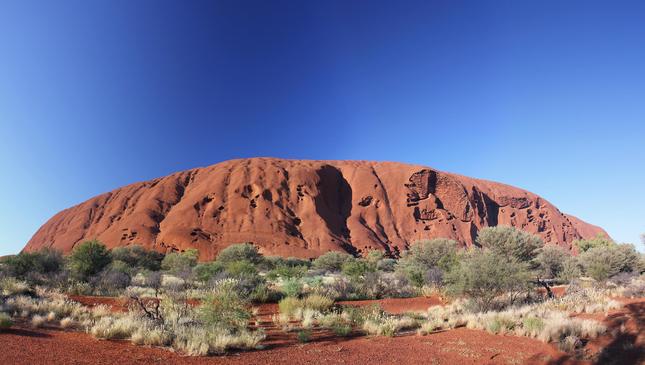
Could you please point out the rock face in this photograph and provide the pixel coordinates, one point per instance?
(304, 209)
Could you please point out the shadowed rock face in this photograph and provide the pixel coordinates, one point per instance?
(304, 209)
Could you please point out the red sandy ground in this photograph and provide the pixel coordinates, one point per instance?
(22, 345)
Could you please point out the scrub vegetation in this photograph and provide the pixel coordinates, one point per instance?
(502, 286)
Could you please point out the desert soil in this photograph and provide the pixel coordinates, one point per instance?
(24, 345)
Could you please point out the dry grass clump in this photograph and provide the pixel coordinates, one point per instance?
(150, 334)
(38, 321)
(536, 320)
(116, 327)
(583, 300)
(558, 326)
(216, 326)
(295, 308)
(635, 288)
(201, 341)
(318, 302)
(336, 323)
(67, 322)
(389, 325)
(52, 307)
(10, 286)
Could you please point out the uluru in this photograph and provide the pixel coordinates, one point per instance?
(305, 208)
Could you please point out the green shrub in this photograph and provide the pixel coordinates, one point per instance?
(599, 240)
(336, 323)
(304, 336)
(240, 268)
(533, 326)
(358, 315)
(603, 262)
(287, 272)
(500, 324)
(484, 275)
(386, 265)
(291, 287)
(137, 257)
(5, 321)
(178, 262)
(374, 256)
(426, 255)
(205, 272)
(225, 308)
(331, 261)
(510, 242)
(88, 259)
(357, 268)
(571, 269)
(261, 293)
(289, 305)
(240, 252)
(44, 261)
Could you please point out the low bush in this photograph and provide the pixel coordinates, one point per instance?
(5, 321)
(357, 268)
(291, 287)
(137, 257)
(599, 240)
(336, 323)
(177, 263)
(240, 252)
(603, 262)
(207, 271)
(304, 336)
(43, 262)
(331, 261)
(225, 308)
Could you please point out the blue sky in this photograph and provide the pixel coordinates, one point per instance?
(544, 95)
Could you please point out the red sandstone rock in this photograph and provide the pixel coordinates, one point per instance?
(304, 209)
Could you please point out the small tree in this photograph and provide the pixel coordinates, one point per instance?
(428, 255)
(510, 242)
(571, 269)
(550, 260)
(331, 261)
(88, 259)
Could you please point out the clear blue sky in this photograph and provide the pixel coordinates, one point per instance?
(545, 95)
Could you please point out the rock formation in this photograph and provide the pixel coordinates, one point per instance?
(304, 209)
